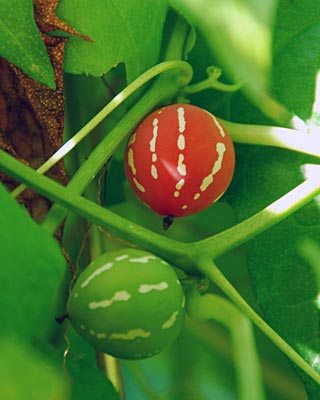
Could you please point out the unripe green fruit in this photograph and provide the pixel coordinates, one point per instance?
(128, 303)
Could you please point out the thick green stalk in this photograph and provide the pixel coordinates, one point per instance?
(165, 88)
(285, 138)
(180, 254)
(102, 114)
(264, 219)
(183, 255)
(105, 148)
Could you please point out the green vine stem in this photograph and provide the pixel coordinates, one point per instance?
(242, 133)
(119, 226)
(183, 255)
(215, 275)
(212, 82)
(247, 366)
(101, 115)
(264, 219)
(286, 138)
(164, 89)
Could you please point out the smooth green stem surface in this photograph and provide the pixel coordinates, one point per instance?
(164, 89)
(268, 105)
(211, 83)
(169, 249)
(101, 115)
(184, 255)
(290, 139)
(215, 275)
(107, 146)
(247, 366)
(259, 222)
(113, 372)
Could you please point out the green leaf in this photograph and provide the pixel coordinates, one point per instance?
(21, 43)
(296, 58)
(286, 284)
(32, 268)
(286, 281)
(27, 374)
(126, 31)
(239, 33)
(81, 366)
(89, 383)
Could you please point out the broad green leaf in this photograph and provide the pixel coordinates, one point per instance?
(285, 283)
(296, 58)
(21, 43)
(239, 33)
(32, 268)
(126, 31)
(294, 18)
(25, 373)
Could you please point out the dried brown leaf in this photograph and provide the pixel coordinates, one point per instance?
(31, 114)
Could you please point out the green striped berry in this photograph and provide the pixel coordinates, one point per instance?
(128, 303)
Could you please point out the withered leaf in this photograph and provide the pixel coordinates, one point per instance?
(31, 114)
(47, 20)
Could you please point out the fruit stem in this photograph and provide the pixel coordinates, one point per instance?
(167, 221)
(61, 318)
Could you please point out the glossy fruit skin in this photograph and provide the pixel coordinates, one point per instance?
(179, 160)
(128, 303)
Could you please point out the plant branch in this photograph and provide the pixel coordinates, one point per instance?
(164, 89)
(261, 221)
(285, 138)
(180, 254)
(101, 115)
(216, 276)
(107, 146)
(183, 254)
(212, 82)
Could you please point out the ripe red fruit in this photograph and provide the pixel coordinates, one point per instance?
(179, 160)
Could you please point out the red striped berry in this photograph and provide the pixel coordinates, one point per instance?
(179, 160)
